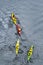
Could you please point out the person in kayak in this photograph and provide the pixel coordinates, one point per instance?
(29, 53)
(15, 20)
(19, 29)
(17, 46)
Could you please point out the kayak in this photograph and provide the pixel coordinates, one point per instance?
(17, 46)
(19, 30)
(30, 52)
(13, 18)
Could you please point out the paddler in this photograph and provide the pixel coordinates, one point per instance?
(19, 30)
(17, 46)
(29, 53)
(15, 20)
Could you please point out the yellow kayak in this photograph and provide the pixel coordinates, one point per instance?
(13, 18)
(30, 52)
(17, 46)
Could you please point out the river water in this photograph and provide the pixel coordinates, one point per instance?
(30, 14)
